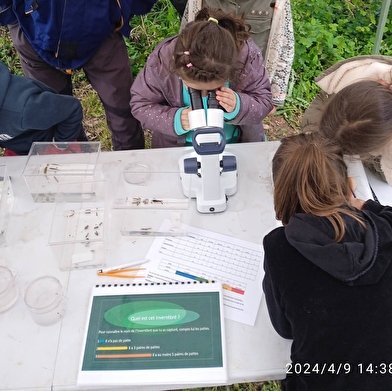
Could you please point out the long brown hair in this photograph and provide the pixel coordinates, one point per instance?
(310, 176)
(207, 48)
(359, 118)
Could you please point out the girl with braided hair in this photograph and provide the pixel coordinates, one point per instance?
(212, 53)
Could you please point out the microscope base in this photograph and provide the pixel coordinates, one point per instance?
(192, 186)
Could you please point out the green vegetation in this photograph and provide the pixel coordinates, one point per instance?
(263, 386)
(325, 32)
(149, 30)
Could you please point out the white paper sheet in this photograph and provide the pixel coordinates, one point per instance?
(382, 190)
(206, 255)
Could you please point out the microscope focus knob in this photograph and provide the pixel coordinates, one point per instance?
(191, 165)
(228, 163)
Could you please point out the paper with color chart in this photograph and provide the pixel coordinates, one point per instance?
(206, 255)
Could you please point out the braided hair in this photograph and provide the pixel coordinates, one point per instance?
(207, 48)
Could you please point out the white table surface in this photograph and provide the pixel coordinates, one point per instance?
(47, 358)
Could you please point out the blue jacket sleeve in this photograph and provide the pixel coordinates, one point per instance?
(7, 15)
(141, 7)
(130, 8)
(48, 109)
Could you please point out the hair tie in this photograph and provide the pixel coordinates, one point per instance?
(213, 20)
(189, 65)
(186, 53)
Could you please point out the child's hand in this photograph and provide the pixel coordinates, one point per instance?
(386, 84)
(272, 112)
(355, 202)
(185, 119)
(226, 98)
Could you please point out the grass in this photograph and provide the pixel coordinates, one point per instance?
(262, 386)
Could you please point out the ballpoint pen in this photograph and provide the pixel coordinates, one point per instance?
(123, 268)
(124, 273)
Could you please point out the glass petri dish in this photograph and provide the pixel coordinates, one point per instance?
(137, 173)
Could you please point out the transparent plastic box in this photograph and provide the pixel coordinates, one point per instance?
(50, 164)
(6, 202)
(147, 199)
(146, 204)
(79, 227)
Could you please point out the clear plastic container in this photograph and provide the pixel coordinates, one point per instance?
(79, 226)
(45, 300)
(146, 199)
(8, 289)
(51, 164)
(6, 202)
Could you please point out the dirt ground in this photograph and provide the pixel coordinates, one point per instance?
(276, 127)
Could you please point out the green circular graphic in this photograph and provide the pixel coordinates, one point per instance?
(149, 314)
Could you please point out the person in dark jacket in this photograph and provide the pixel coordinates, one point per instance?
(328, 272)
(31, 111)
(55, 37)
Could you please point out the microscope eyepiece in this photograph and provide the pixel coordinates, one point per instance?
(196, 99)
(212, 101)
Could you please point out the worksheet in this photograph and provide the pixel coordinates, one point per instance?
(381, 189)
(145, 334)
(203, 255)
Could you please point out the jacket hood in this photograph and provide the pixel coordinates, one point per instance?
(347, 260)
(5, 78)
(354, 69)
(340, 75)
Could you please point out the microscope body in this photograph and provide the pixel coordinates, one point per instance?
(208, 174)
